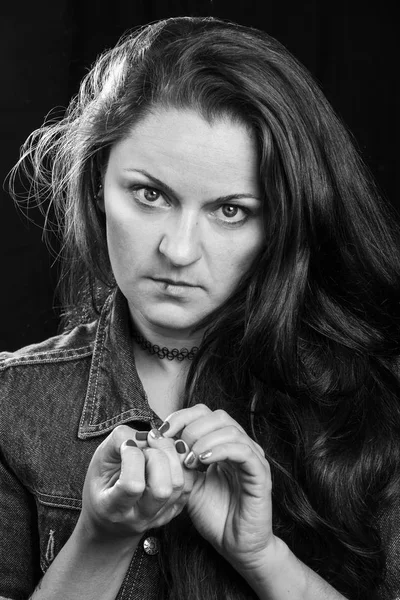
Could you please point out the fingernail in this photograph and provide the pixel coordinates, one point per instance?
(155, 434)
(141, 436)
(189, 460)
(130, 443)
(205, 455)
(164, 427)
(180, 446)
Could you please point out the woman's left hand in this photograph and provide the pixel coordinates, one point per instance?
(230, 503)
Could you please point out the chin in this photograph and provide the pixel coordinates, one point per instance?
(173, 324)
(176, 319)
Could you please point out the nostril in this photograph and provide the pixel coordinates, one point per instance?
(180, 251)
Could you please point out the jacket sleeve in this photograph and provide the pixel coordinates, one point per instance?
(19, 541)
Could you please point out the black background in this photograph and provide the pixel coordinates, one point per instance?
(46, 47)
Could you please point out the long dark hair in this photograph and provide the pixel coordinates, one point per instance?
(304, 353)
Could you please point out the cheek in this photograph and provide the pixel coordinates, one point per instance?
(245, 250)
(117, 239)
(236, 259)
(125, 241)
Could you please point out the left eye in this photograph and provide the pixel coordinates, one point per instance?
(231, 213)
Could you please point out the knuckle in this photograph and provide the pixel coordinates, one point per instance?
(247, 451)
(156, 453)
(131, 488)
(172, 415)
(166, 444)
(184, 497)
(178, 484)
(162, 493)
(177, 509)
(115, 518)
(221, 415)
(233, 431)
(188, 434)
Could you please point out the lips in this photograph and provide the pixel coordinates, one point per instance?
(174, 282)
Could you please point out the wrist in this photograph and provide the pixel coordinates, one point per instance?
(88, 566)
(88, 535)
(276, 573)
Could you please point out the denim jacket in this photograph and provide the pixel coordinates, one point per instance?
(59, 399)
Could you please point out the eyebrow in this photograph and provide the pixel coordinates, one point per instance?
(171, 192)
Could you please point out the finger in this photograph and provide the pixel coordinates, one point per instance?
(141, 438)
(197, 424)
(109, 449)
(176, 421)
(182, 449)
(130, 485)
(225, 435)
(159, 487)
(167, 445)
(182, 480)
(254, 473)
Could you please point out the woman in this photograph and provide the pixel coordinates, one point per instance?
(225, 389)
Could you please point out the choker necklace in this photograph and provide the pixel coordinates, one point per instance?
(165, 352)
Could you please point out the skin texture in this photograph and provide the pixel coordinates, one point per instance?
(186, 233)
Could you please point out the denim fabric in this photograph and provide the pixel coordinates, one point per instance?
(59, 400)
(389, 524)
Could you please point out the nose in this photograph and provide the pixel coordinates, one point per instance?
(180, 242)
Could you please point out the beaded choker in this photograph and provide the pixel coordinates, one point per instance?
(165, 352)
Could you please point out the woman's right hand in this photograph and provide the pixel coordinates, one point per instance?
(132, 486)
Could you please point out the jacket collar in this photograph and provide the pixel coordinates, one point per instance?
(115, 393)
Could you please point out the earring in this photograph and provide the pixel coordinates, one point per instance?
(99, 194)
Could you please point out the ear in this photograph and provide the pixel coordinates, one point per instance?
(100, 198)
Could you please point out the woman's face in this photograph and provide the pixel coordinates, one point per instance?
(183, 214)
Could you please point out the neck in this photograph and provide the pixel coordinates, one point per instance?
(163, 380)
(165, 337)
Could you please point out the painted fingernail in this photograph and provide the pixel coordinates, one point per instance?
(141, 436)
(130, 443)
(189, 460)
(205, 455)
(164, 427)
(155, 434)
(180, 446)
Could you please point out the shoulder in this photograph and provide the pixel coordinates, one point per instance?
(73, 345)
(38, 381)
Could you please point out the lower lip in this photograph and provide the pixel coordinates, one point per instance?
(174, 290)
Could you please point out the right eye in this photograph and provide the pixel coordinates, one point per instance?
(148, 196)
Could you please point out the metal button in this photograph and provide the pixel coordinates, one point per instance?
(151, 545)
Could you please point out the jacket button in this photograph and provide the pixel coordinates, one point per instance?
(151, 545)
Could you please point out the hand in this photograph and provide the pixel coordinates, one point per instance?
(230, 503)
(132, 486)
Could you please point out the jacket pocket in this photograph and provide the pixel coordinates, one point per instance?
(57, 517)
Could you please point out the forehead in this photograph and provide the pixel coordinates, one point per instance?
(180, 144)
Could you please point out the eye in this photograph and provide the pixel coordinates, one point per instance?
(148, 196)
(232, 214)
